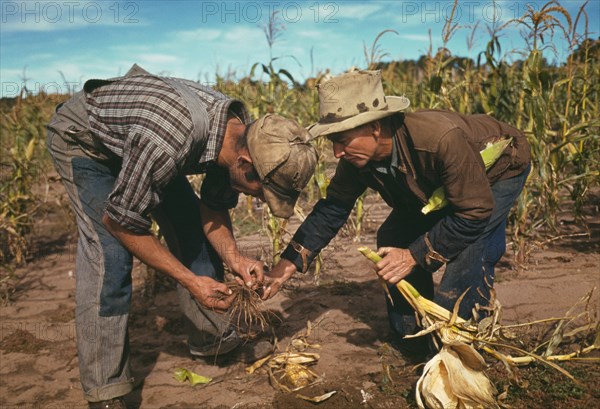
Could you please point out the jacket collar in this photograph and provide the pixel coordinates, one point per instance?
(401, 158)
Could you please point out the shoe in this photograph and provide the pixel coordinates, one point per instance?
(251, 352)
(116, 403)
(224, 345)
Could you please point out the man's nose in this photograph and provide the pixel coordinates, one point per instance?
(338, 150)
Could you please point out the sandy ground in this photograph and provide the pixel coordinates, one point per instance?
(348, 306)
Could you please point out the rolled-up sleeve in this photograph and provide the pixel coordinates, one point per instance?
(146, 170)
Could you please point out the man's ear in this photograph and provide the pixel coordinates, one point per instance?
(244, 160)
(375, 128)
(245, 164)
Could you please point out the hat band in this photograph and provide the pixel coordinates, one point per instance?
(335, 119)
(278, 189)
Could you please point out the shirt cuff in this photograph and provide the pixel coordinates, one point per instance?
(299, 255)
(129, 220)
(425, 255)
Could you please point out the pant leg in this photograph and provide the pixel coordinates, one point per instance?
(180, 223)
(398, 231)
(103, 275)
(473, 268)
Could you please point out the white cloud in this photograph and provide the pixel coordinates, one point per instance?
(198, 35)
(313, 34)
(155, 58)
(355, 11)
(415, 37)
(246, 37)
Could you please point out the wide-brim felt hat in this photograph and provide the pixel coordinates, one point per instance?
(351, 100)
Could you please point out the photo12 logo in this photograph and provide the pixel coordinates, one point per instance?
(255, 12)
(466, 12)
(68, 12)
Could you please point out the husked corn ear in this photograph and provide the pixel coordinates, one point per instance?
(298, 376)
(489, 155)
(436, 201)
(492, 151)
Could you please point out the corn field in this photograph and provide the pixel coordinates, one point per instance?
(556, 105)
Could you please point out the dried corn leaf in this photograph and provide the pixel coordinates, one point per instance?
(291, 358)
(258, 364)
(317, 399)
(469, 356)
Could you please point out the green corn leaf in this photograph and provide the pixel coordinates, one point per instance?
(182, 374)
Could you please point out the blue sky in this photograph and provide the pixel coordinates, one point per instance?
(74, 40)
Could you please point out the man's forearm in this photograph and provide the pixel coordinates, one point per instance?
(219, 232)
(150, 251)
(317, 230)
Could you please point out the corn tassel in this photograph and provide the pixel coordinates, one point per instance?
(489, 155)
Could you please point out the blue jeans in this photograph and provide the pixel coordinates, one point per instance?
(472, 269)
(103, 268)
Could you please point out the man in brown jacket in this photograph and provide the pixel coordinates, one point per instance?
(405, 157)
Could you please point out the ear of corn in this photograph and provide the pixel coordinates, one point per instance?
(493, 151)
(489, 155)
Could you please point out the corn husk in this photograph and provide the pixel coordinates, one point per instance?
(455, 378)
(288, 371)
(490, 155)
(317, 399)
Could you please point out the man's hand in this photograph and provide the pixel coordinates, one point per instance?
(251, 271)
(397, 263)
(275, 278)
(148, 249)
(210, 293)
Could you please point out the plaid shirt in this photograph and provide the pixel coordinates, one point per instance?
(145, 122)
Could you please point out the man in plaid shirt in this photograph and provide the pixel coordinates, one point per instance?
(123, 148)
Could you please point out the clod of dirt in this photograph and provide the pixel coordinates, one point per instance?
(22, 341)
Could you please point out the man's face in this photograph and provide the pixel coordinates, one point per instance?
(357, 146)
(244, 179)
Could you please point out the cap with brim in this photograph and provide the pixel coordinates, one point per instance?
(283, 159)
(351, 100)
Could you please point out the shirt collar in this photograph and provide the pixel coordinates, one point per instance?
(218, 126)
(400, 156)
(395, 162)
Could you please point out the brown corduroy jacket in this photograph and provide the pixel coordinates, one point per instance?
(440, 148)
